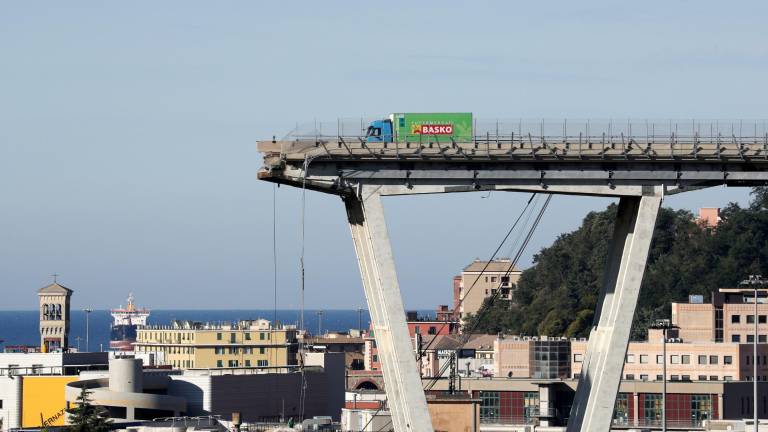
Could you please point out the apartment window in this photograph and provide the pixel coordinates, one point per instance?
(727, 360)
(630, 377)
(219, 363)
(735, 338)
(219, 350)
(578, 358)
(493, 278)
(762, 319)
(713, 378)
(247, 336)
(686, 377)
(262, 350)
(630, 358)
(261, 336)
(713, 359)
(432, 330)
(702, 377)
(232, 363)
(735, 319)
(702, 359)
(686, 359)
(247, 363)
(1, 404)
(375, 358)
(659, 377)
(675, 359)
(750, 319)
(659, 359)
(761, 339)
(262, 363)
(674, 378)
(750, 338)
(727, 378)
(644, 377)
(218, 336)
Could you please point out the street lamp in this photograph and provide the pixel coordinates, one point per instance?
(320, 322)
(87, 328)
(360, 319)
(756, 282)
(663, 325)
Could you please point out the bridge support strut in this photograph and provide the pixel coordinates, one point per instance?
(603, 365)
(405, 395)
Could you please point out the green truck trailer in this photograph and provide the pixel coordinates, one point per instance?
(419, 127)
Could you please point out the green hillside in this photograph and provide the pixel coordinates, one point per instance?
(557, 295)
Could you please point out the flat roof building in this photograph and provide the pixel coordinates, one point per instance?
(189, 345)
(482, 279)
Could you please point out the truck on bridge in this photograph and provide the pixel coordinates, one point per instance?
(417, 127)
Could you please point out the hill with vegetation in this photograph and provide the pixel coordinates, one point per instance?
(558, 294)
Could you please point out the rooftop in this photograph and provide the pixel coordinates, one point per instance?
(500, 265)
(54, 288)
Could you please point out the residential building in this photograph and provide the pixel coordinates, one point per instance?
(441, 325)
(730, 317)
(482, 279)
(333, 342)
(193, 345)
(709, 217)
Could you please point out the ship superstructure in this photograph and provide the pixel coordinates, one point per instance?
(124, 323)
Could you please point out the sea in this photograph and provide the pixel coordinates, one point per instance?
(22, 327)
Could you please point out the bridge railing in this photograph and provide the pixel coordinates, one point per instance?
(645, 130)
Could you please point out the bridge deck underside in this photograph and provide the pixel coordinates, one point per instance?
(333, 167)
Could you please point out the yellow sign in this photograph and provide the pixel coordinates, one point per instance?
(43, 401)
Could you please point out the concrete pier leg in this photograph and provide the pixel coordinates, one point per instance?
(604, 361)
(405, 396)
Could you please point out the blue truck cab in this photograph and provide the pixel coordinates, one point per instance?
(379, 131)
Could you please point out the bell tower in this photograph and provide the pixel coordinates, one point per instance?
(54, 317)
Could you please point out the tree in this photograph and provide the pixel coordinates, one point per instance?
(85, 417)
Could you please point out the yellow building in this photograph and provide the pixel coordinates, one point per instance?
(188, 345)
(43, 400)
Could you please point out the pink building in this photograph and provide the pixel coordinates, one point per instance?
(729, 318)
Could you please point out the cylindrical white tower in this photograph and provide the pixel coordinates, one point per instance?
(125, 375)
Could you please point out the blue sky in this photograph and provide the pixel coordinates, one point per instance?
(127, 140)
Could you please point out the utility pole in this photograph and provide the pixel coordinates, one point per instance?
(87, 328)
(755, 282)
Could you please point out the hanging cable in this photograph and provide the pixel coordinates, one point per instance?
(493, 256)
(274, 270)
(302, 327)
(486, 305)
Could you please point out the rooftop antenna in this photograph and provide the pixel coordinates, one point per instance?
(55, 277)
